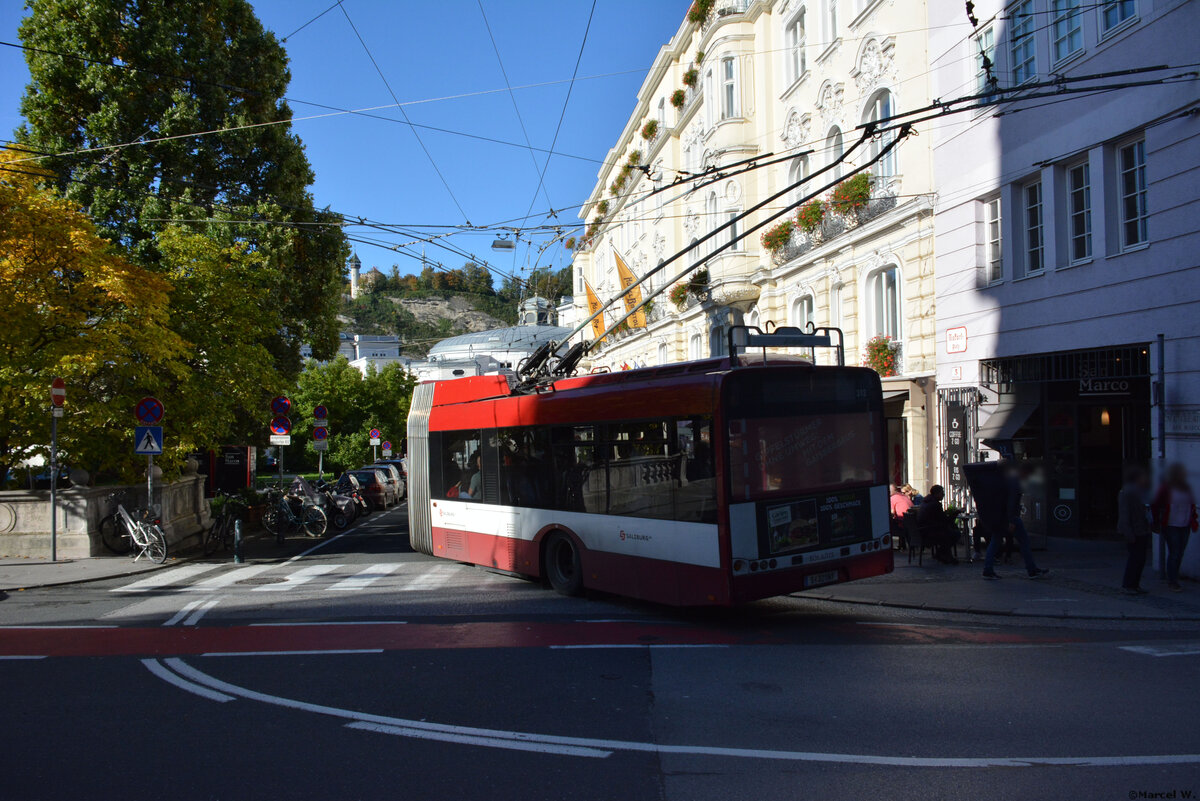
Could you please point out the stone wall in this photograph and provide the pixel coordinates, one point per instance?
(25, 517)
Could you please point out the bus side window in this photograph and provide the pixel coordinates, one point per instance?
(580, 483)
(526, 475)
(696, 495)
(460, 463)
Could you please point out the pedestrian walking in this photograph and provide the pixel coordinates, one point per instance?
(1014, 489)
(1133, 521)
(1173, 511)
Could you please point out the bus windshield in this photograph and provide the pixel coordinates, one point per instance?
(802, 432)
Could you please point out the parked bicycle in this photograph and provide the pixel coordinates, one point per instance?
(227, 527)
(139, 529)
(289, 514)
(114, 534)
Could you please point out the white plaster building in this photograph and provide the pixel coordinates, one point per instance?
(1066, 241)
(779, 78)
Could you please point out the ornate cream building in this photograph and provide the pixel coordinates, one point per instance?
(778, 80)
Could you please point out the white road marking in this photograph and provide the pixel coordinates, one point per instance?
(232, 577)
(636, 645)
(202, 610)
(296, 653)
(23, 656)
(1154, 650)
(490, 742)
(162, 578)
(155, 667)
(364, 578)
(182, 613)
(301, 576)
(436, 577)
(337, 623)
(505, 739)
(332, 540)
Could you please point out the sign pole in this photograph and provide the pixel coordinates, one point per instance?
(150, 484)
(53, 485)
(320, 465)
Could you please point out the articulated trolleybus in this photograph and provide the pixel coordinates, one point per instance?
(711, 482)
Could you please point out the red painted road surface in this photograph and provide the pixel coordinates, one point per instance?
(185, 641)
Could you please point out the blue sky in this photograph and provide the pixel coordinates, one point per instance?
(427, 51)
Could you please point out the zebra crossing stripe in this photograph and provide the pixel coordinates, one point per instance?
(364, 578)
(438, 576)
(232, 577)
(164, 578)
(301, 576)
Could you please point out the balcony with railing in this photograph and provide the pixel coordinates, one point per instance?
(883, 199)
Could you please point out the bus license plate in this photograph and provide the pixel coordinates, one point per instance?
(817, 579)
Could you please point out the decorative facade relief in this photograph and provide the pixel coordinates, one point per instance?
(732, 191)
(797, 129)
(660, 245)
(830, 104)
(876, 65)
(691, 221)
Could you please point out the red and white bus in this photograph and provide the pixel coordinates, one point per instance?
(703, 483)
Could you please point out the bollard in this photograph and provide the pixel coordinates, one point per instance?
(237, 542)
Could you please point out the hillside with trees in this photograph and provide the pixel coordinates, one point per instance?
(434, 304)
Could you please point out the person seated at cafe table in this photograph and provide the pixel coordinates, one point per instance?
(937, 528)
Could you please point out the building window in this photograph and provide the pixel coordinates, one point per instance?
(796, 41)
(797, 173)
(694, 252)
(1132, 166)
(1079, 207)
(985, 61)
(663, 358)
(713, 219)
(1035, 245)
(709, 98)
(1068, 28)
(831, 20)
(802, 311)
(729, 107)
(880, 108)
(1023, 43)
(752, 318)
(834, 147)
(662, 112)
(731, 217)
(884, 287)
(659, 194)
(695, 343)
(1116, 12)
(835, 306)
(992, 243)
(717, 345)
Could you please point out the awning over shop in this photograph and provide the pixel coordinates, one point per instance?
(894, 394)
(1006, 419)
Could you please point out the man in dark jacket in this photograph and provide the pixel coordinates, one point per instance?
(936, 527)
(1133, 521)
(1016, 477)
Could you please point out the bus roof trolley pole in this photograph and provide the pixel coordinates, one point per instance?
(750, 336)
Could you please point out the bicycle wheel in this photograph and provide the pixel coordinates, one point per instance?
(315, 522)
(156, 544)
(270, 519)
(214, 537)
(113, 535)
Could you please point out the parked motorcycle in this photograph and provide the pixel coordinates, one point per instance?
(340, 509)
(348, 485)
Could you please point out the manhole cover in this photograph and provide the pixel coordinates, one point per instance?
(258, 580)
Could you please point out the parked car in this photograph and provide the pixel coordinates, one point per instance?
(375, 484)
(396, 473)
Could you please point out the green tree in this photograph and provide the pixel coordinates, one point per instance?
(74, 308)
(152, 71)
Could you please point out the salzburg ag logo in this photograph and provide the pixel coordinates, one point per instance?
(628, 536)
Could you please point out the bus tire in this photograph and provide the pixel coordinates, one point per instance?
(564, 569)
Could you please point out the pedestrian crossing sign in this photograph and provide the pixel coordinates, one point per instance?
(148, 440)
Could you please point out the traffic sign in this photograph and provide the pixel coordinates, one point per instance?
(148, 411)
(320, 424)
(320, 434)
(58, 392)
(320, 412)
(281, 439)
(387, 452)
(374, 441)
(281, 425)
(281, 405)
(321, 445)
(387, 446)
(375, 433)
(148, 440)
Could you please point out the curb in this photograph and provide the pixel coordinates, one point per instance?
(998, 612)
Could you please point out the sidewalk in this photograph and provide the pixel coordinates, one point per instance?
(1084, 584)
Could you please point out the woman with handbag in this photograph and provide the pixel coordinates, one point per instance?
(1174, 510)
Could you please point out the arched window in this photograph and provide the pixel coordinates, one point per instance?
(695, 347)
(802, 311)
(717, 341)
(694, 250)
(835, 306)
(834, 149)
(880, 108)
(797, 172)
(752, 318)
(883, 293)
(662, 353)
(712, 218)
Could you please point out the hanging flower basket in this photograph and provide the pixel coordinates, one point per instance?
(852, 194)
(880, 355)
(602, 208)
(678, 97)
(776, 237)
(650, 130)
(811, 215)
(679, 296)
(700, 11)
(699, 282)
(691, 77)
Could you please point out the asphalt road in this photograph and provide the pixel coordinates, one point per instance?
(363, 670)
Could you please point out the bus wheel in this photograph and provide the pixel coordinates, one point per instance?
(563, 569)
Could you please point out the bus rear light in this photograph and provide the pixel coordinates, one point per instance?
(753, 566)
(887, 539)
(773, 563)
(738, 565)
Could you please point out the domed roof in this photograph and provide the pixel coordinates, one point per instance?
(516, 338)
